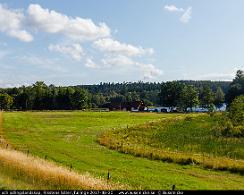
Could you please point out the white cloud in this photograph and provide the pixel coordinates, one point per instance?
(90, 63)
(173, 8)
(74, 50)
(37, 19)
(120, 55)
(186, 16)
(77, 28)
(119, 60)
(113, 46)
(149, 70)
(12, 23)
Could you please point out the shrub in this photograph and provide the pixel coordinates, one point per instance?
(222, 130)
(232, 124)
(236, 111)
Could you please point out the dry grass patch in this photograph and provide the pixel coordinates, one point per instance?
(38, 171)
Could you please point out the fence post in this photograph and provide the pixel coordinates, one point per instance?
(108, 176)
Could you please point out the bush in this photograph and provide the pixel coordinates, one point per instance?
(232, 124)
(223, 126)
(236, 111)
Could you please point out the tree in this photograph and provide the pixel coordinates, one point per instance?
(236, 111)
(170, 93)
(219, 97)
(207, 97)
(236, 87)
(6, 101)
(188, 97)
(97, 100)
(80, 99)
(21, 100)
(40, 90)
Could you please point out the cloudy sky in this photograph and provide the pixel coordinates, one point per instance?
(88, 42)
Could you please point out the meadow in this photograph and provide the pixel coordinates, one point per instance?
(190, 140)
(70, 140)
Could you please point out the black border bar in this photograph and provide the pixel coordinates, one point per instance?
(115, 192)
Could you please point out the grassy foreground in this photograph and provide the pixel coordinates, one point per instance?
(70, 139)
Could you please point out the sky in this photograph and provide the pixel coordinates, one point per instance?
(91, 41)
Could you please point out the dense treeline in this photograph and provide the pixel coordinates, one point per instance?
(124, 92)
(148, 92)
(39, 96)
(184, 94)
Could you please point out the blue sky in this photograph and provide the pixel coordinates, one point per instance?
(88, 42)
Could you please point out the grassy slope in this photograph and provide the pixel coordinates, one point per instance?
(182, 141)
(198, 135)
(70, 138)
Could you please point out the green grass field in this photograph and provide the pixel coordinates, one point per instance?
(70, 138)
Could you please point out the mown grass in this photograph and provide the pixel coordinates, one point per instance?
(70, 138)
(191, 140)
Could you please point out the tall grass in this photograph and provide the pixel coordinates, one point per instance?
(41, 172)
(181, 140)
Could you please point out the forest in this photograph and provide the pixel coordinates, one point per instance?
(183, 94)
